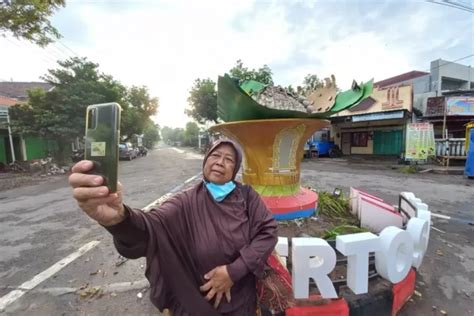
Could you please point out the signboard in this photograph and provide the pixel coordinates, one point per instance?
(420, 141)
(435, 106)
(383, 100)
(378, 116)
(461, 105)
(392, 100)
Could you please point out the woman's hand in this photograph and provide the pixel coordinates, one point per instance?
(219, 284)
(95, 199)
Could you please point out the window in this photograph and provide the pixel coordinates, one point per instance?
(359, 139)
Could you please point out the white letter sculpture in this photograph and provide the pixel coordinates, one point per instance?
(393, 261)
(357, 247)
(312, 258)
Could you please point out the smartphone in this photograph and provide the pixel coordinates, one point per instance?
(102, 141)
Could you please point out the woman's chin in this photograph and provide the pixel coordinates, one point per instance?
(217, 180)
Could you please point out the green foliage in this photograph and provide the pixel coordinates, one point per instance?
(139, 106)
(151, 135)
(202, 101)
(172, 135)
(191, 134)
(139, 98)
(310, 83)
(29, 19)
(59, 114)
(291, 89)
(408, 169)
(343, 230)
(332, 206)
(202, 98)
(263, 74)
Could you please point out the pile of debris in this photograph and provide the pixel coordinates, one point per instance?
(47, 167)
(279, 98)
(318, 100)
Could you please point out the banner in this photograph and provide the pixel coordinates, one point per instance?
(462, 105)
(420, 141)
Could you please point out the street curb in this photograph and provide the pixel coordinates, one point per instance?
(337, 307)
(448, 171)
(386, 300)
(403, 291)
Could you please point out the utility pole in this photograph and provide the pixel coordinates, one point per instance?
(445, 132)
(445, 110)
(11, 138)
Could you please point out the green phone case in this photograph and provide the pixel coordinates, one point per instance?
(102, 141)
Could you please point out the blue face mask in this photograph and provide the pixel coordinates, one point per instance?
(220, 191)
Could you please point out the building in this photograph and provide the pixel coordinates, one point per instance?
(377, 125)
(447, 87)
(451, 112)
(19, 90)
(25, 148)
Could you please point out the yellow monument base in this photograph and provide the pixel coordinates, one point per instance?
(273, 150)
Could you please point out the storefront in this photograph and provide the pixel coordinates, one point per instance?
(452, 111)
(377, 125)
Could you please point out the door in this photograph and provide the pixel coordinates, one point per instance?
(346, 143)
(388, 142)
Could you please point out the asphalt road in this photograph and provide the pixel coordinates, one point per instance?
(41, 225)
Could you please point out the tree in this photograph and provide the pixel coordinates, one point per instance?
(202, 101)
(165, 133)
(138, 107)
(151, 135)
(59, 114)
(291, 89)
(310, 83)
(172, 135)
(263, 74)
(28, 19)
(191, 134)
(202, 98)
(140, 98)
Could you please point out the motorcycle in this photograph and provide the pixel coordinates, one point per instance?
(77, 155)
(142, 151)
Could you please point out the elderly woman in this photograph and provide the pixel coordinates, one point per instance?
(204, 247)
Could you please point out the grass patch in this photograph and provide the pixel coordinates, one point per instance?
(408, 169)
(343, 230)
(332, 206)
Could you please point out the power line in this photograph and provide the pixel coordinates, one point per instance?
(67, 47)
(464, 6)
(64, 55)
(47, 59)
(450, 62)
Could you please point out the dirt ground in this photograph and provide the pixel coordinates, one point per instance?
(11, 180)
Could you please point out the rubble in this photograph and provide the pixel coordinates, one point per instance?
(277, 97)
(319, 100)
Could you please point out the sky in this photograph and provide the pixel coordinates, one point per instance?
(167, 45)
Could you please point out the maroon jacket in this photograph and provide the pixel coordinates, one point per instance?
(189, 235)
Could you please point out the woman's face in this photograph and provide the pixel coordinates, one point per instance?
(220, 164)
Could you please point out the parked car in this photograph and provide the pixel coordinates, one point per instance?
(126, 151)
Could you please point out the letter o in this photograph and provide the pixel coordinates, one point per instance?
(394, 260)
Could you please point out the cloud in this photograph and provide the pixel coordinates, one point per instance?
(166, 45)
